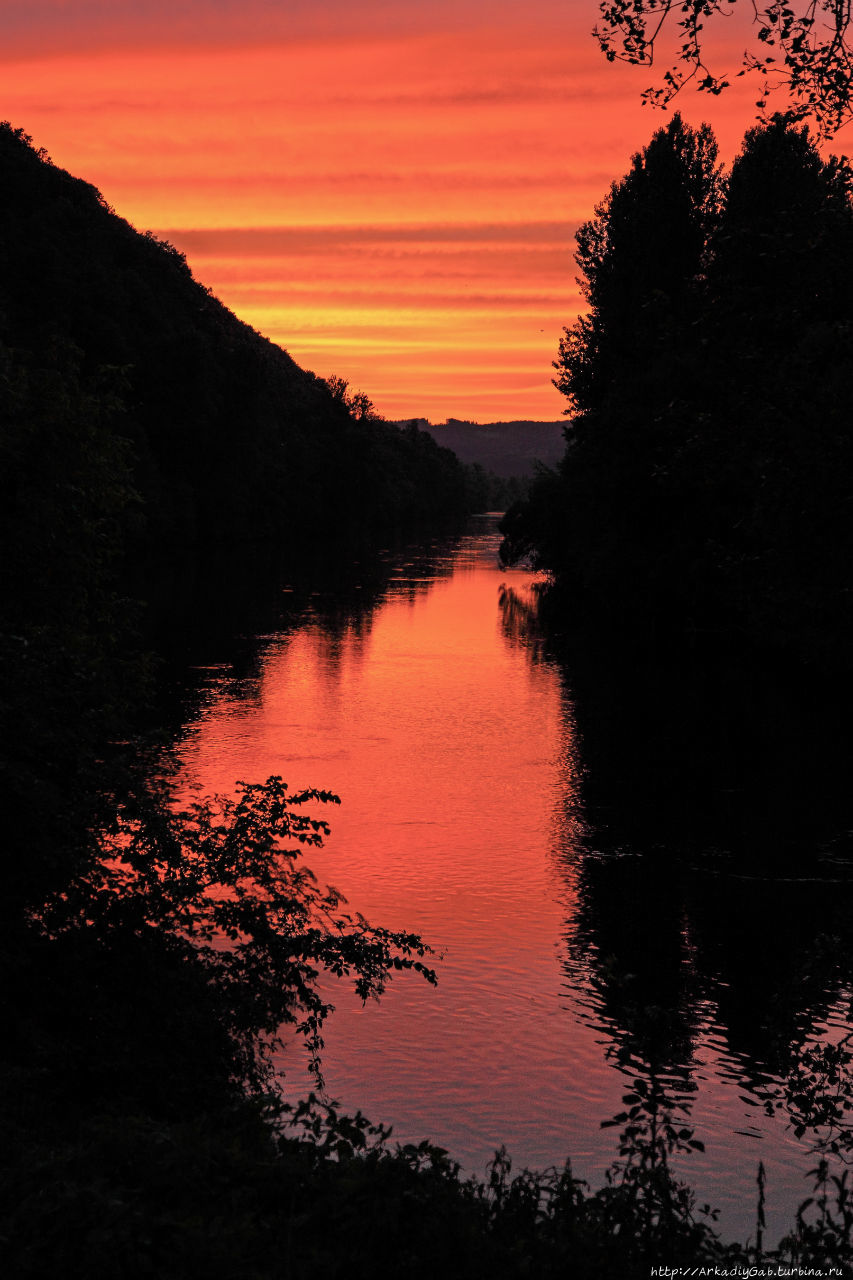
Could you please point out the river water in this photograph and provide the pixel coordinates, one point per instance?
(467, 773)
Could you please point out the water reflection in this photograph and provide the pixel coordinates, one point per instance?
(623, 878)
(712, 933)
(191, 616)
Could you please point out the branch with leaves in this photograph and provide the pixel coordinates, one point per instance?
(222, 878)
(800, 49)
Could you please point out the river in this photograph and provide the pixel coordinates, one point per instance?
(450, 731)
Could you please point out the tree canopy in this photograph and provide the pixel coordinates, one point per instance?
(705, 484)
(801, 48)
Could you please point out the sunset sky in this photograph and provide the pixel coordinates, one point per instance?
(388, 190)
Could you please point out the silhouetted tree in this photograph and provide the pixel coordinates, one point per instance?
(706, 477)
(357, 403)
(639, 257)
(626, 367)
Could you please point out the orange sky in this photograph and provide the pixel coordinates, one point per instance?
(389, 191)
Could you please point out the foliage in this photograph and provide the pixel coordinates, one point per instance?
(315, 1192)
(824, 1226)
(659, 1212)
(221, 880)
(705, 482)
(652, 1201)
(802, 49)
(819, 1095)
(816, 1097)
(431, 468)
(489, 492)
(151, 993)
(70, 668)
(637, 257)
(357, 403)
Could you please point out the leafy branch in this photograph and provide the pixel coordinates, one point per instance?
(803, 50)
(222, 878)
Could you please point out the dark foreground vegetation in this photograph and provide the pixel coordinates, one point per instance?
(143, 1134)
(153, 954)
(706, 482)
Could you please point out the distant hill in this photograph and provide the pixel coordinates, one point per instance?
(505, 448)
(229, 440)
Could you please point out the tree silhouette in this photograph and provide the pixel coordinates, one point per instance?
(705, 484)
(638, 257)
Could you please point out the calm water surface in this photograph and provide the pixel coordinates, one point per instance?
(451, 737)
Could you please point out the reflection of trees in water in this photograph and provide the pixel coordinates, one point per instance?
(711, 866)
(194, 607)
(766, 960)
(628, 947)
(519, 619)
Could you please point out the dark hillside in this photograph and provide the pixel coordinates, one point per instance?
(230, 439)
(504, 448)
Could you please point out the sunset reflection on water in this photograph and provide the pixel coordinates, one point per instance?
(447, 730)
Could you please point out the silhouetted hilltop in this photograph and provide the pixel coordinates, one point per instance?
(505, 448)
(229, 438)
